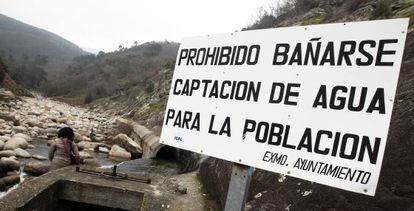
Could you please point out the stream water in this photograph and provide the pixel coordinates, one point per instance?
(138, 166)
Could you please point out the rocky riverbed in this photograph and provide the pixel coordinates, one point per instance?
(29, 125)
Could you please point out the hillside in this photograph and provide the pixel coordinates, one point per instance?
(22, 41)
(122, 74)
(9, 84)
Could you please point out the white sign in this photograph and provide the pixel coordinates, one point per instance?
(312, 102)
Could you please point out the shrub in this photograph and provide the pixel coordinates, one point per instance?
(382, 10)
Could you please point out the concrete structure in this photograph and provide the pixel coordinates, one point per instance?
(149, 142)
(66, 189)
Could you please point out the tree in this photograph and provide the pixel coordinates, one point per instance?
(40, 60)
(382, 10)
(135, 43)
(100, 54)
(25, 57)
(120, 47)
(30, 76)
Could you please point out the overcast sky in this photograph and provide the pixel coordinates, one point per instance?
(105, 24)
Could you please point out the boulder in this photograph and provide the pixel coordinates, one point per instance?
(33, 123)
(50, 142)
(7, 153)
(117, 151)
(35, 113)
(103, 149)
(84, 155)
(39, 157)
(62, 120)
(16, 142)
(51, 132)
(89, 145)
(181, 189)
(9, 164)
(78, 137)
(1, 144)
(6, 95)
(86, 138)
(19, 129)
(22, 153)
(9, 117)
(5, 132)
(10, 173)
(36, 168)
(128, 144)
(10, 180)
(26, 137)
(4, 138)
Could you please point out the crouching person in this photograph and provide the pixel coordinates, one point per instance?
(63, 151)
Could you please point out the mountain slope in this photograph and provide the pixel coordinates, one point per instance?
(8, 83)
(18, 39)
(126, 72)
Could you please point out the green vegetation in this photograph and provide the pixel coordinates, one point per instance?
(158, 106)
(382, 10)
(315, 20)
(30, 76)
(274, 14)
(111, 74)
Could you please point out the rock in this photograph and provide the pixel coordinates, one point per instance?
(1, 144)
(62, 120)
(9, 117)
(26, 137)
(50, 142)
(16, 142)
(44, 137)
(4, 138)
(6, 96)
(51, 132)
(88, 145)
(31, 146)
(10, 173)
(22, 153)
(84, 155)
(19, 129)
(36, 168)
(5, 132)
(10, 180)
(128, 144)
(181, 189)
(33, 123)
(117, 151)
(39, 157)
(35, 113)
(78, 137)
(54, 113)
(9, 164)
(103, 149)
(7, 153)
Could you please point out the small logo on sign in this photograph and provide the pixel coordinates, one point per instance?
(178, 138)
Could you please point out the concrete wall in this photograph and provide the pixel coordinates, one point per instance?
(150, 143)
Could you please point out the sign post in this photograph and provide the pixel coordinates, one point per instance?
(241, 176)
(312, 102)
